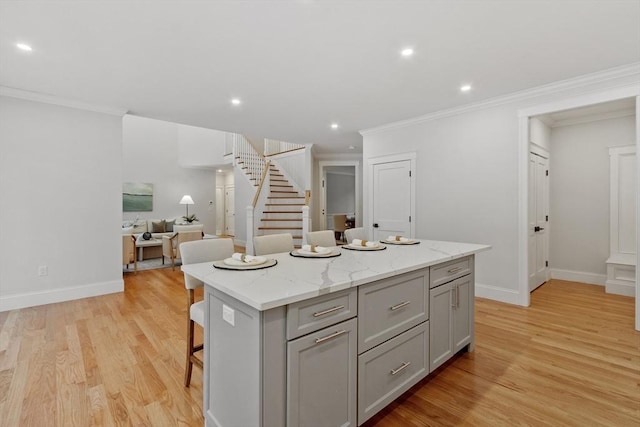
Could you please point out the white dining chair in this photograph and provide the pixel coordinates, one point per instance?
(194, 252)
(273, 243)
(324, 238)
(354, 233)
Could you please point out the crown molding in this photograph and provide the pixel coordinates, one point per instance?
(55, 100)
(593, 118)
(583, 81)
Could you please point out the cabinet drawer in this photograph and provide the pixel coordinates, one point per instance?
(391, 306)
(390, 369)
(305, 317)
(445, 272)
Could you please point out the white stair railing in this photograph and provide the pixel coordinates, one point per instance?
(273, 146)
(247, 158)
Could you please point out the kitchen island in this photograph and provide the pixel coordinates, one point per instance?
(331, 341)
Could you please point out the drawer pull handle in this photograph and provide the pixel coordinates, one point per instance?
(330, 310)
(401, 368)
(397, 306)
(328, 337)
(454, 270)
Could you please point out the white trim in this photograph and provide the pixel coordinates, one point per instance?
(509, 296)
(638, 215)
(539, 151)
(372, 161)
(579, 276)
(523, 212)
(51, 99)
(621, 289)
(32, 299)
(552, 88)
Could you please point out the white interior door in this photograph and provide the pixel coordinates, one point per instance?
(392, 192)
(229, 210)
(538, 220)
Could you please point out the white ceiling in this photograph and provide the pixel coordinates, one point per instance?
(300, 65)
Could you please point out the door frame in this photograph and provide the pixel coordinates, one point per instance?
(322, 200)
(226, 222)
(371, 162)
(630, 91)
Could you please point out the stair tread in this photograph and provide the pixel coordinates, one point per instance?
(282, 212)
(282, 219)
(284, 204)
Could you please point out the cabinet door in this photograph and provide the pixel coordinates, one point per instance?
(321, 377)
(461, 292)
(440, 337)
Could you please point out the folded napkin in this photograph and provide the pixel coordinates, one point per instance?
(316, 249)
(243, 257)
(397, 239)
(358, 242)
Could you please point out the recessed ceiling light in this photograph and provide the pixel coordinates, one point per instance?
(24, 47)
(220, 170)
(351, 147)
(334, 126)
(235, 101)
(465, 88)
(407, 51)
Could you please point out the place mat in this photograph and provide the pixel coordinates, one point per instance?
(395, 242)
(363, 248)
(222, 266)
(304, 254)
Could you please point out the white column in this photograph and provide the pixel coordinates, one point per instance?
(250, 231)
(306, 224)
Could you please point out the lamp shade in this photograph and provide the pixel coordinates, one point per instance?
(186, 200)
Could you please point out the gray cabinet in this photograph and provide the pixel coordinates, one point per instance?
(451, 306)
(393, 339)
(321, 377)
(388, 370)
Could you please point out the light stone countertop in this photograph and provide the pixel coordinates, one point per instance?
(295, 279)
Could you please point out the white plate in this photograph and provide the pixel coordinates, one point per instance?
(364, 248)
(255, 261)
(398, 242)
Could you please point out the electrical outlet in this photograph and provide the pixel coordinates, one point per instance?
(42, 270)
(228, 315)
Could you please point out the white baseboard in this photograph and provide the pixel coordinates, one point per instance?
(628, 290)
(578, 276)
(510, 296)
(32, 299)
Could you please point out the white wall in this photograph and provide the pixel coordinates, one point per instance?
(466, 186)
(200, 147)
(61, 198)
(539, 133)
(150, 154)
(579, 199)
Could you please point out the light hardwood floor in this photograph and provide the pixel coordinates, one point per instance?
(572, 358)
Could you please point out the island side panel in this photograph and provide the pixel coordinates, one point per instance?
(234, 381)
(274, 367)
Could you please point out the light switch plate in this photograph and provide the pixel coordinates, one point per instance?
(228, 315)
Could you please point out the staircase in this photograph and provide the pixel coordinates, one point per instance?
(283, 210)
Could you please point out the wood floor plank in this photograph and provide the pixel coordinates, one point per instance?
(571, 359)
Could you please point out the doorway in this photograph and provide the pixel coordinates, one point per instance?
(340, 193)
(523, 162)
